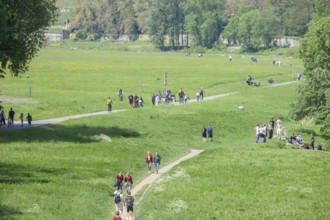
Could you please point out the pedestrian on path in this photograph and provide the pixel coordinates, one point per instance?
(21, 117)
(117, 217)
(128, 182)
(29, 119)
(109, 103)
(119, 181)
(210, 133)
(118, 199)
(157, 162)
(149, 161)
(129, 202)
(2, 118)
(11, 115)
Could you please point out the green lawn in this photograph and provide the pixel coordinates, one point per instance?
(67, 170)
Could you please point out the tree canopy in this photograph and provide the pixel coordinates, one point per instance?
(202, 22)
(314, 99)
(22, 25)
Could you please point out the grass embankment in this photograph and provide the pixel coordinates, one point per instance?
(66, 171)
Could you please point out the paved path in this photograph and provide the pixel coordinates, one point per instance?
(40, 123)
(153, 177)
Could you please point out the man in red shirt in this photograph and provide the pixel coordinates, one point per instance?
(119, 181)
(149, 161)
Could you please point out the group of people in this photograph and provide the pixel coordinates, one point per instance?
(135, 101)
(268, 129)
(119, 199)
(207, 133)
(11, 118)
(127, 182)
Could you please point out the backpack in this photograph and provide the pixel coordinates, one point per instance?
(117, 198)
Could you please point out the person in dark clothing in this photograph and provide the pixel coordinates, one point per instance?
(204, 130)
(311, 145)
(29, 119)
(271, 128)
(11, 117)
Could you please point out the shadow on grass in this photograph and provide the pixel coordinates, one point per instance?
(19, 174)
(7, 212)
(76, 133)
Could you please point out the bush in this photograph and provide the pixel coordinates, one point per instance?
(81, 34)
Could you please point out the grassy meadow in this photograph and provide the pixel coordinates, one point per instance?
(67, 170)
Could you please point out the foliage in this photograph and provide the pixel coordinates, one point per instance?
(314, 93)
(22, 31)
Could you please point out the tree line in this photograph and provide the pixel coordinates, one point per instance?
(251, 23)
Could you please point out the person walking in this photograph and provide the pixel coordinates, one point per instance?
(149, 161)
(29, 119)
(201, 93)
(204, 131)
(128, 182)
(129, 202)
(11, 115)
(117, 217)
(210, 133)
(21, 117)
(119, 181)
(109, 104)
(118, 199)
(157, 162)
(2, 118)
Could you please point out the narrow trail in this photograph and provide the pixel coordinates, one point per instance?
(45, 122)
(153, 177)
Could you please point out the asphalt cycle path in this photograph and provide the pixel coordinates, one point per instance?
(154, 176)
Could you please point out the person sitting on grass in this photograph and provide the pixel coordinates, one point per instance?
(249, 80)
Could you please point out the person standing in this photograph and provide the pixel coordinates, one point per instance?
(271, 128)
(118, 198)
(257, 129)
(120, 95)
(119, 181)
(278, 127)
(210, 133)
(153, 97)
(157, 162)
(311, 145)
(201, 93)
(21, 117)
(29, 119)
(129, 202)
(2, 118)
(204, 130)
(128, 182)
(149, 161)
(263, 132)
(11, 117)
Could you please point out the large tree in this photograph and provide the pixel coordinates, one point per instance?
(22, 26)
(314, 99)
